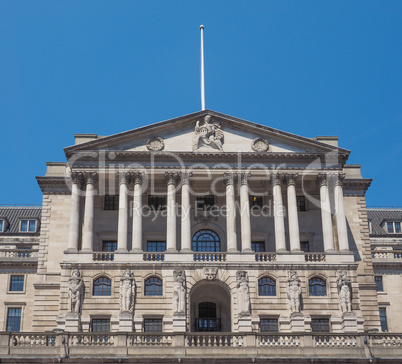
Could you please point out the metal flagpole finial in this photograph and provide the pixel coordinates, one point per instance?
(202, 69)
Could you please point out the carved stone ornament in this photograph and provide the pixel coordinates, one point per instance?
(344, 292)
(75, 292)
(293, 292)
(155, 144)
(127, 292)
(179, 293)
(259, 145)
(208, 134)
(243, 294)
(210, 273)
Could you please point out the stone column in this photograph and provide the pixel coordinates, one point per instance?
(326, 219)
(74, 228)
(294, 235)
(185, 214)
(279, 221)
(340, 214)
(136, 245)
(87, 235)
(123, 212)
(171, 180)
(245, 214)
(230, 213)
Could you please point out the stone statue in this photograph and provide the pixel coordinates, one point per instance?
(344, 292)
(75, 292)
(179, 293)
(243, 294)
(127, 292)
(208, 134)
(293, 292)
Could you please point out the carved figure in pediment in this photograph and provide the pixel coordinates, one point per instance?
(75, 291)
(243, 294)
(293, 292)
(179, 293)
(208, 134)
(127, 292)
(344, 292)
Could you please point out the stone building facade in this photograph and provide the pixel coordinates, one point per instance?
(204, 236)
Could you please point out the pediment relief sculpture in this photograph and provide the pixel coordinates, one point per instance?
(155, 144)
(259, 145)
(208, 134)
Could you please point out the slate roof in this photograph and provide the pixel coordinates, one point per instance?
(378, 215)
(13, 215)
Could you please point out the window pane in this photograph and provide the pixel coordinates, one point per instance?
(269, 325)
(1, 225)
(156, 246)
(258, 246)
(153, 287)
(17, 283)
(206, 241)
(24, 225)
(100, 325)
(102, 287)
(32, 225)
(14, 319)
(304, 246)
(266, 287)
(383, 319)
(157, 202)
(111, 202)
(317, 287)
(301, 203)
(255, 202)
(109, 246)
(205, 202)
(378, 281)
(397, 227)
(152, 325)
(390, 227)
(320, 325)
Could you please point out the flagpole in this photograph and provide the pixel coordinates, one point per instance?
(202, 69)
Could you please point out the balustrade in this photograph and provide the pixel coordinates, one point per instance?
(18, 253)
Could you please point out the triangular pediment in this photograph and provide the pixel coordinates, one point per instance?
(206, 131)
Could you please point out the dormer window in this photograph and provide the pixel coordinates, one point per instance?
(2, 225)
(28, 226)
(393, 227)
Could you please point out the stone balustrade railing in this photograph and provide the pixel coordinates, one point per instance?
(19, 253)
(315, 257)
(209, 257)
(386, 254)
(191, 345)
(265, 257)
(103, 257)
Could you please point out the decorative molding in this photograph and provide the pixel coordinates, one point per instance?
(210, 273)
(155, 144)
(259, 145)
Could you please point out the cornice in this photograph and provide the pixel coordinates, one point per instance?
(359, 185)
(52, 184)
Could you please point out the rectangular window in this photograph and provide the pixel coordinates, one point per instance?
(14, 319)
(390, 227)
(205, 203)
(269, 325)
(100, 325)
(319, 325)
(111, 202)
(28, 226)
(397, 227)
(16, 283)
(304, 246)
(383, 319)
(109, 246)
(156, 246)
(301, 203)
(258, 246)
(1, 225)
(255, 202)
(157, 202)
(378, 282)
(152, 325)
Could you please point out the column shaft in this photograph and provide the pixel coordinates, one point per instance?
(326, 216)
(279, 222)
(123, 215)
(230, 216)
(245, 216)
(294, 234)
(74, 228)
(341, 218)
(171, 213)
(185, 217)
(87, 238)
(137, 215)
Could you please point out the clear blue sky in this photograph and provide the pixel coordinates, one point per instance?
(306, 67)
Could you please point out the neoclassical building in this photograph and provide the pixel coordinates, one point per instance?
(204, 237)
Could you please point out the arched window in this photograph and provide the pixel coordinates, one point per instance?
(153, 287)
(102, 287)
(206, 241)
(317, 287)
(266, 287)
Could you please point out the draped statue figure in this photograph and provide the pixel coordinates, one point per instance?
(75, 292)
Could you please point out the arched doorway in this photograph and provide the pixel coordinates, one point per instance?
(210, 307)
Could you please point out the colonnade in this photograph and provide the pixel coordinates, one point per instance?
(172, 180)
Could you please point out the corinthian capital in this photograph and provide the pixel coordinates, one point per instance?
(290, 179)
(276, 178)
(77, 177)
(136, 177)
(244, 178)
(91, 177)
(228, 179)
(124, 177)
(322, 179)
(171, 178)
